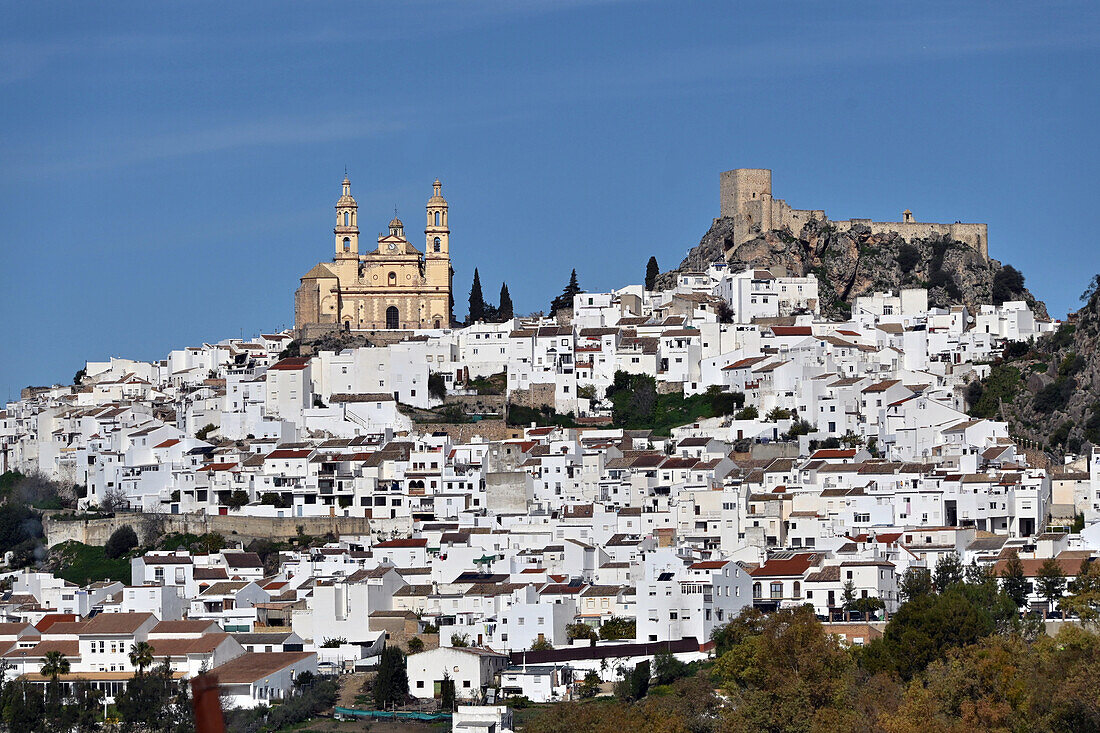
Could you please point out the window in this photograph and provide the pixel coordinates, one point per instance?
(436, 245)
(777, 590)
(393, 317)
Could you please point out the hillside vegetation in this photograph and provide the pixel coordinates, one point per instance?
(1049, 391)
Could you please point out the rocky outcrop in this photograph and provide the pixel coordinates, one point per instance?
(1049, 392)
(856, 262)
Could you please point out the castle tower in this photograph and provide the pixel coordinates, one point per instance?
(746, 197)
(347, 224)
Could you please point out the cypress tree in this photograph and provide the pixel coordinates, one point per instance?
(565, 300)
(504, 310)
(1013, 580)
(651, 272)
(477, 301)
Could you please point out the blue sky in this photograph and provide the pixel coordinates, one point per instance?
(168, 171)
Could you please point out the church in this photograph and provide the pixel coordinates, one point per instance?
(392, 286)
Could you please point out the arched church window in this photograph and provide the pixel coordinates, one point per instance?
(393, 278)
(347, 218)
(393, 318)
(436, 244)
(347, 244)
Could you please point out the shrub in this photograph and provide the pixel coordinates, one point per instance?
(121, 541)
(908, 257)
(334, 643)
(437, 387)
(205, 430)
(415, 645)
(749, 413)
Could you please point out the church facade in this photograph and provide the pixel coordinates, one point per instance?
(392, 286)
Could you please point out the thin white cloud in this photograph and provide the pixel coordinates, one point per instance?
(212, 138)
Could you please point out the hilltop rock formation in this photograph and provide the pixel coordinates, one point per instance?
(856, 262)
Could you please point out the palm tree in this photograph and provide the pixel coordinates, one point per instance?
(141, 655)
(55, 665)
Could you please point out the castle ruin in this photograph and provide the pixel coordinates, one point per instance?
(746, 197)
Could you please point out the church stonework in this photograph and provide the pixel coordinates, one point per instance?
(393, 286)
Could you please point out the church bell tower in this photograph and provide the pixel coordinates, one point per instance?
(347, 224)
(437, 232)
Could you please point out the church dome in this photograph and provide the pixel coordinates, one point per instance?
(395, 223)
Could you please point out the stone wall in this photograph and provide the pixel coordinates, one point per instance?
(242, 528)
(745, 195)
(489, 430)
(534, 396)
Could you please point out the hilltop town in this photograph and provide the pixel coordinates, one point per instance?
(535, 506)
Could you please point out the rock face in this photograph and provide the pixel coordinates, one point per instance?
(853, 263)
(1054, 395)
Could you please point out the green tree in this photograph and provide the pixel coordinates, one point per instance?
(1008, 283)
(949, 571)
(141, 656)
(237, 499)
(1050, 581)
(848, 595)
(83, 714)
(580, 630)
(477, 301)
(916, 582)
(437, 386)
(1013, 580)
(783, 672)
(415, 645)
(635, 682)
(149, 701)
(391, 684)
(541, 644)
(590, 686)
(618, 627)
(667, 669)
(924, 628)
(651, 273)
(447, 692)
(460, 640)
(505, 310)
(24, 707)
(121, 541)
(1085, 590)
(565, 300)
(53, 666)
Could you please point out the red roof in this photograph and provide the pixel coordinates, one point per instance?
(219, 466)
(835, 453)
(52, 618)
(743, 363)
(709, 565)
(796, 565)
(792, 331)
(167, 443)
(289, 453)
(294, 363)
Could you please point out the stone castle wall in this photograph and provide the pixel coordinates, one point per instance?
(746, 197)
(233, 528)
